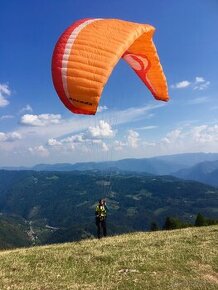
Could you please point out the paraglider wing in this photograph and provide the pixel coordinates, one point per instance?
(87, 52)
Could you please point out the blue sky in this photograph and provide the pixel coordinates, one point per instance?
(36, 128)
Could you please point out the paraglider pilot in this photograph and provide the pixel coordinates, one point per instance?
(100, 218)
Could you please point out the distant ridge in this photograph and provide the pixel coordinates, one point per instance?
(160, 165)
(206, 172)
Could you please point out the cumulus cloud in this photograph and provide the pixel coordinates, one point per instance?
(53, 142)
(201, 84)
(202, 138)
(101, 144)
(10, 137)
(199, 80)
(39, 150)
(193, 139)
(172, 137)
(78, 138)
(70, 143)
(205, 134)
(4, 93)
(102, 130)
(40, 120)
(181, 85)
(119, 145)
(91, 139)
(198, 84)
(133, 138)
(78, 142)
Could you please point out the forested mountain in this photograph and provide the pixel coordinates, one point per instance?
(150, 165)
(206, 172)
(59, 206)
(13, 232)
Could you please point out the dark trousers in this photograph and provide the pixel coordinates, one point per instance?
(101, 224)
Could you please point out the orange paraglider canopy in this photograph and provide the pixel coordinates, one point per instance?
(87, 52)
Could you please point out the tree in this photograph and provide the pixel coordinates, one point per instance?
(154, 227)
(172, 223)
(200, 220)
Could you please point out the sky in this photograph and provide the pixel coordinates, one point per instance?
(35, 127)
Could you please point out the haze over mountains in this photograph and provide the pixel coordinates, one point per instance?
(201, 167)
(206, 172)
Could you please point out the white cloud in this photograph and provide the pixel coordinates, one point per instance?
(5, 117)
(201, 84)
(190, 138)
(205, 134)
(72, 138)
(40, 120)
(198, 84)
(102, 130)
(80, 142)
(78, 138)
(10, 137)
(203, 138)
(119, 145)
(133, 138)
(102, 145)
(172, 136)
(4, 93)
(78, 123)
(53, 142)
(101, 109)
(3, 102)
(25, 109)
(147, 128)
(105, 147)
(39, 150)
(181, 85)
(136, 113)
(199, 80)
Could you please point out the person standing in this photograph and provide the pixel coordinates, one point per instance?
(100, 218)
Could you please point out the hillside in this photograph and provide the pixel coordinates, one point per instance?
(13, 233)
(206, 172)
(168, 260)
(66, 201)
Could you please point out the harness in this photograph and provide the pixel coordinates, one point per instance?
(101, 212)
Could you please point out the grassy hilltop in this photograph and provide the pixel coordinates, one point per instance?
(181, 259)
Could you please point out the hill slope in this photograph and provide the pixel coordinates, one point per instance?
(206, 172)
(67, 200)
(13, 233)
(172, 260)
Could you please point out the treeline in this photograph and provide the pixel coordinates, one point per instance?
(172, 223)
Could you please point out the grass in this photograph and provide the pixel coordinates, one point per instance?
(181, 259)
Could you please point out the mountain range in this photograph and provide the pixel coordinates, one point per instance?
(201, 167)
